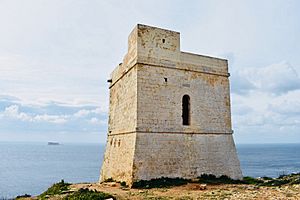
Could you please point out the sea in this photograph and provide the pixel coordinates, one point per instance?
(30, 168)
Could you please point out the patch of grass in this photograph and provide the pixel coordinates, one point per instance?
(57, 188)
(212, 179)
(266, 178)
(267, 181)
(204, 178)
(290, 176)
(160, 183)
(252, 181)
(86, 194)
(295, 181)
(264, 181)
(283, 180)
(275, 182)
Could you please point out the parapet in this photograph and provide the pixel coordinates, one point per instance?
(160, 47)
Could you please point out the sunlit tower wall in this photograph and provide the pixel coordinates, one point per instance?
(169, 112)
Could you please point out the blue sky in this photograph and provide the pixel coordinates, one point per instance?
(56, 55)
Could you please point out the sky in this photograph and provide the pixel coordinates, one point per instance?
(56, 55)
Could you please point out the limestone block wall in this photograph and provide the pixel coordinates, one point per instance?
(202, 63)
(157, 43)
(159, 104)
(119, 151)
(184, 155)
(118, 158)
(123, 103)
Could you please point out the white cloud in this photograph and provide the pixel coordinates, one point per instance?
(96, 120)
(40, 113)
(99, 110)
(82, 113)
(258, 109)
(288, 104)
(240, 84)
(275, 79)
(57, 119)
(12, 112)
(17, 117)
(85, 112)
(270, 108)
(263, 115)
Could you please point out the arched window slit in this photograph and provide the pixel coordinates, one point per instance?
(186, 118)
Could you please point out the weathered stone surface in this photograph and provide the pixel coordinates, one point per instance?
(146, 136)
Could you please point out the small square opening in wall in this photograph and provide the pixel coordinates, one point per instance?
(166, 79)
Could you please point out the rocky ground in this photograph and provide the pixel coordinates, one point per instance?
(287, 187)
(199, 191)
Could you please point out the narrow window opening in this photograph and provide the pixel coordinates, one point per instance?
(166, 79)
(163, 40)
(186, 110)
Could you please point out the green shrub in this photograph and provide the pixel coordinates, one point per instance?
(283, 180)
(266, 178)
(296, 181)
(212, 179)
(123, 184)
(160, 183)
(275, 182)
(86, 194)
(253, 181)
(267, 181)
(109, 180)
(57, 188)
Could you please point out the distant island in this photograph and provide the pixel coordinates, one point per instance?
(53, 143)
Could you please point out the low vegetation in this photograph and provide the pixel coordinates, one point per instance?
(56, 189)
(86, 194)
(62, 190)
(109, 180)
(122, 183)
(160, 183)
(213, 187)
(212, 179)
(281, 180)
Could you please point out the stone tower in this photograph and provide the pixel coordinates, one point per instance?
(169, 113)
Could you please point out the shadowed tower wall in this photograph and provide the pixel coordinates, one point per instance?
(147, 136)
